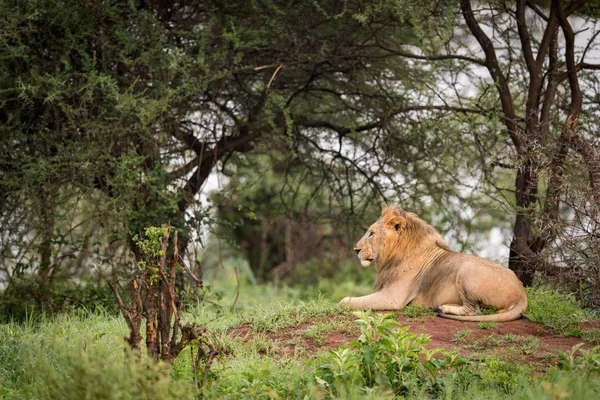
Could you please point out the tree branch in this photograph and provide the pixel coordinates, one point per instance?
(191, 141)
(589, 154)
(491, 62)
(578, 67)
(224, 146)
(532, 66)
(441, 57)
(537, 10)
(552, 25)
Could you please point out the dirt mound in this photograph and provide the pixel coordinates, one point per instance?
(443, 333)
(519, 341)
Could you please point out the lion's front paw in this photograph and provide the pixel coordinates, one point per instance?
(345, 302)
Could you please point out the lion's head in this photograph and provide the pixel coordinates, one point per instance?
(393, 233)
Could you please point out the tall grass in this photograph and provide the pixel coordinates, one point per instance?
(80, 355)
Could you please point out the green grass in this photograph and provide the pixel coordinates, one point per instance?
(77, 356)
(417, 313)
(487, 325)
(80, 355)
(526, 344)
(318, 330)
(558, 311)
(461, 336)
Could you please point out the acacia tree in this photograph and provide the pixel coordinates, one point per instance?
(535, 67)
(124, 109)
(131, 106)
(139, 101)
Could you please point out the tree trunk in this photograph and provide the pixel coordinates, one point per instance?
(46, 271)
(521, 254)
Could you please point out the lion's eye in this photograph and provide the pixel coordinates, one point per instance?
(371, 234)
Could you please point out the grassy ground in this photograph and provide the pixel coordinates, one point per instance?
(80, 355)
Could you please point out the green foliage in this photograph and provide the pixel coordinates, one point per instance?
(526, 344)
(461, 335)
(20, 300)
(487, 325)
(417, 313)
(556, 310)
(283, 315)
(78, 357)
(252, 376)
(591, 335)
(487, 310)
(587, 362)
(72, 354)
(150, 248)
(503, 376)
(150, 245)
(318, 331)
(388, 356)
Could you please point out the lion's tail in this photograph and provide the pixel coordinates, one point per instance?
(514, 312)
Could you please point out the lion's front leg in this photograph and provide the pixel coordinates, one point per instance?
(382, 300)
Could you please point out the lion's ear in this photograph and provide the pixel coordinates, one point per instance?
(397, 223)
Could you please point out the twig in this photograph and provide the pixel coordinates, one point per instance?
(193, 277)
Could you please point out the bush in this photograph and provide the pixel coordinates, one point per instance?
(503, 376)
(21, 298)
(386, 356)
(558, 311)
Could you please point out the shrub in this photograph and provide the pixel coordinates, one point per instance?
(558, 311)
(502, 375)
(21, 298)
(387, 356)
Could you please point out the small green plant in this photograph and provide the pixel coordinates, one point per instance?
(316, 333)
(417, 313)
(283, 315)
(591, 335)
(261, 344)
(588, 362)
(388, 356)
(502, 375)
(527, 344)
(461, 336)
(487, 310)
(150, 246)
(487, 325)
(318, 330)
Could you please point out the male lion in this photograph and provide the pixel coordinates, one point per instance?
(415, 266)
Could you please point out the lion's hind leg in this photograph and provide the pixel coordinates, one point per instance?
(470, 305)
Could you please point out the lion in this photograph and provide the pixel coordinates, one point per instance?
(415, 266)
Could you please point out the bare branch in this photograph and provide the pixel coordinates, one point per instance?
(186, 169)
(578, 67)
(589, 154)
(537, 10)
(191, 141)
(198, 282)
(532, 66)
(553, 25)
(491, 62)
(440, 57)
(124, 310)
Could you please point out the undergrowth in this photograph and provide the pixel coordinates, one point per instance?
(560, 312)
(79, 355)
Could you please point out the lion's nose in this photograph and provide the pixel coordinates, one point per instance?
(357, 250)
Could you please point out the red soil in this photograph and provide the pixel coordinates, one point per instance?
(294, 340)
